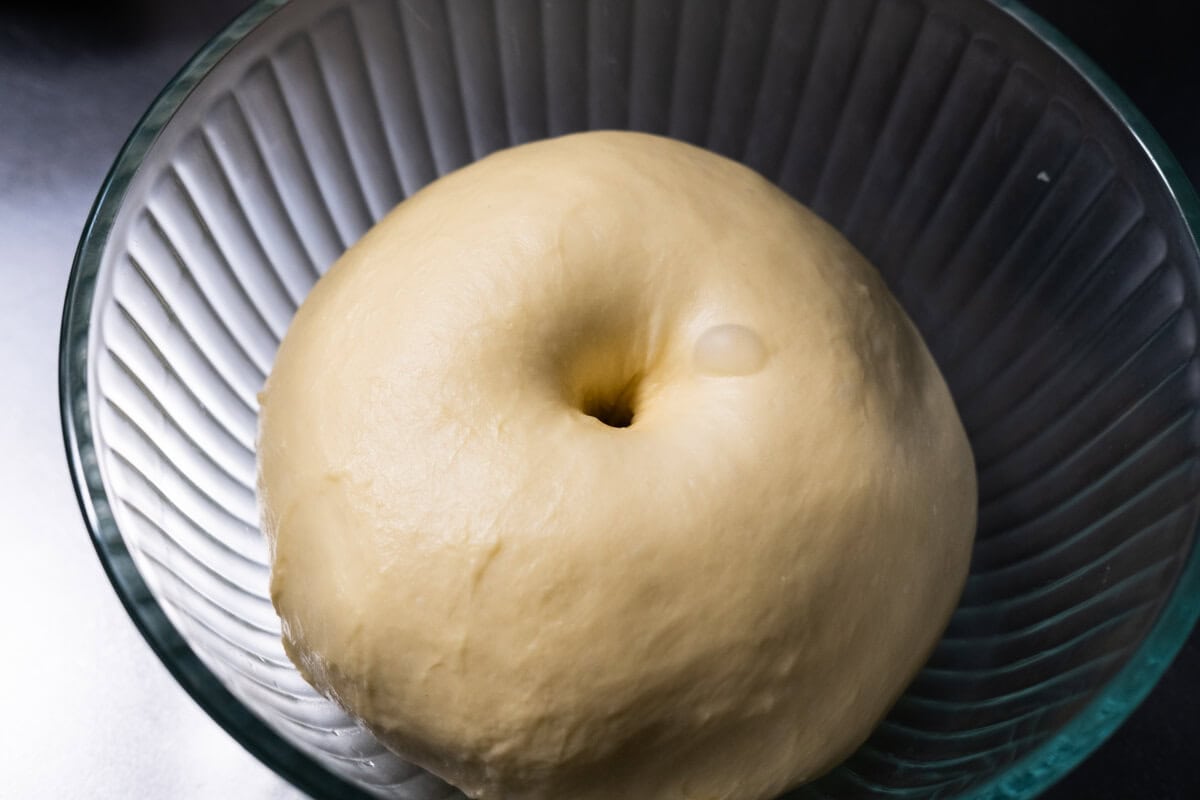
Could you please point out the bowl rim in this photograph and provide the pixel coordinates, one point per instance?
(1026, 778)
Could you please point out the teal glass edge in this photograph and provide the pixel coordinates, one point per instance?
(180, 660)
(1037, 771)
(1027, 778)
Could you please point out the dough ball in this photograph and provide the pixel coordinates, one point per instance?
(603, 469)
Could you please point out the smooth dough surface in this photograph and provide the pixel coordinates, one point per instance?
(713, 597)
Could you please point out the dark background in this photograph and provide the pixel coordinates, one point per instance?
(94, 69)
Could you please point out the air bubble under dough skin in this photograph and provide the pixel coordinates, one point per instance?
(602, 469)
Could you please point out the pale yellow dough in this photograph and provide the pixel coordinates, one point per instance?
(716, 602)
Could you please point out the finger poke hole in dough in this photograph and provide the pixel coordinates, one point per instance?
(614, 405)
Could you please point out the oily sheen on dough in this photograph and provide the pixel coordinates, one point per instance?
(602, 469)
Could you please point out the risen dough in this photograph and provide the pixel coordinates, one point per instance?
(713, 596)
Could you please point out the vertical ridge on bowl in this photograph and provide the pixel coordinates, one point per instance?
(1004, 201)
(298, 78)
(399, 106)
(474, 42)
(844, 47)
(354, 103)
(699, 52)
(239, 163)
(609, 65)
(430, 48)
(743, 61)
(273, 133)
(901, 29)
(786, 74)
(522, 69)
(564, 45)
(652, 65)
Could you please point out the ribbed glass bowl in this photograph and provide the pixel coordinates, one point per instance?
(1021, 209)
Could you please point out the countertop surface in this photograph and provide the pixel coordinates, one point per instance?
(89, 711)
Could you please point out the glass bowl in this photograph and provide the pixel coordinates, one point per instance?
(1034, 226)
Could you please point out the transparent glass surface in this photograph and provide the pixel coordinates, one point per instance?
(1024, 213)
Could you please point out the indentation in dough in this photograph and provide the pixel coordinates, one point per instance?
(729, 350)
